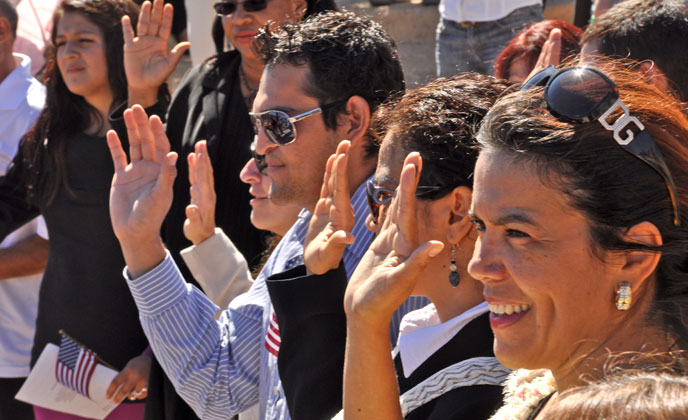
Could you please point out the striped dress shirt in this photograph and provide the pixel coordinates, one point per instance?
(224, 367)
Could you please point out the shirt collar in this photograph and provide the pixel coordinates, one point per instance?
(421, 334)
(13, 88)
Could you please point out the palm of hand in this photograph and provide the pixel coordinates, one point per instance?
(131, 203)
(146, 61)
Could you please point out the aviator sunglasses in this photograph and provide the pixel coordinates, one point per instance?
(584, 94)
(379, 196)
(278, 126)
(225, 8)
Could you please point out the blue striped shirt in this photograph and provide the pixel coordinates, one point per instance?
(222, 367)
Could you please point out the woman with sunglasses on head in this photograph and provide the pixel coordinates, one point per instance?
(590, 258)
(435, 123)
(60, 172)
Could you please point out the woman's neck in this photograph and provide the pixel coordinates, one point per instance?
(252, 71)
(627, 347)
(102, 104)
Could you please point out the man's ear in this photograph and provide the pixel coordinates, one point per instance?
(460, 224)
(5, 30)
(355, 119)
(637, 266)
(655, 75)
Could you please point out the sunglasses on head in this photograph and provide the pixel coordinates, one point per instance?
(379, 196)
(225, 8)
(261, 162)
(279, 127)
(583, 94)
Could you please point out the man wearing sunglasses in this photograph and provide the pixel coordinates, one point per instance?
(323, 78)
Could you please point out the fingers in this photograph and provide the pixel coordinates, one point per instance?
(408, 181)
(156, 17)
(133, 134)
(127, 30)
(119, 158)
(325, 188)
(165, 21)
(143, 124)
(144, 19)
(178, 51)
(341, 179)
(413, 266)
(127, 384)
(162, 143)
(552, 48)
(191, 162)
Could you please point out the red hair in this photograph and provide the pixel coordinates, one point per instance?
(528, 44)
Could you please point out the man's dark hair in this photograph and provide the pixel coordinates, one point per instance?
(9, 12)
(641, 30)
(346, 54)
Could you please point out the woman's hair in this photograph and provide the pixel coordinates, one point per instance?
(440, 121)
(634, 395)
(65, 113)
(614, 189)
(528, 43)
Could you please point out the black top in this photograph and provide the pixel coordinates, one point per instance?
(83, 291)
(312, 326)
(208, 105)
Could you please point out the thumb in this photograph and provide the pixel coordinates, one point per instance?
(420, 258)
(178, 51)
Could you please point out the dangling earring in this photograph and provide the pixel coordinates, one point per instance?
(624, 296)
(454, 278)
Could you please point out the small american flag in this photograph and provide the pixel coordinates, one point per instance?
(75, 365)
(272, 338)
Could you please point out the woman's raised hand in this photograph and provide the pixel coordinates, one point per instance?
(200, 213)
(388, 271)
(147, 62)
(333, 218)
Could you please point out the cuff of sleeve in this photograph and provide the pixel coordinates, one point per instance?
(217, 254)
(159, 289)
(298, 296)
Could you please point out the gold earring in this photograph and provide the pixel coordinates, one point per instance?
(624, 296)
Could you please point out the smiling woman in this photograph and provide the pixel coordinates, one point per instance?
(580, 226)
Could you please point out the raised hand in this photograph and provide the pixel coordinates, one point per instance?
(388, 271)
(550, 55)
(147, 62)
(200, 213)
(333, 218)
(141, 192)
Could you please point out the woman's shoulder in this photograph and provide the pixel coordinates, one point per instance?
(523, 390)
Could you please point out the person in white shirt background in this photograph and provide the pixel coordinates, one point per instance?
(23, 254)
(471, 33)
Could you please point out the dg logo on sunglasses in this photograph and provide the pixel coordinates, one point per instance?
(621, 123)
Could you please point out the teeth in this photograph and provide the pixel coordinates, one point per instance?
(508, 309)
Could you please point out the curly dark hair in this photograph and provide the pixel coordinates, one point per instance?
(346, 54)
(612, 188)
(440, 121)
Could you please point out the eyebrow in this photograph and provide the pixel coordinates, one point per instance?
(514, 215)
(77, 32)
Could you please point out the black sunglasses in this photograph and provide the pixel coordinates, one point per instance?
(225, 8)
(279, 127)
(379, 196)
(583, 94)
(261, 162)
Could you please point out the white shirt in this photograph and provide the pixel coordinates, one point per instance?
(481, 10)
(21, 100)
(421, 334)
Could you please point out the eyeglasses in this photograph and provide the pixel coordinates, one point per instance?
(379, 196)
(225, 8)
(261, 162)
(583, 94)
(278, 126)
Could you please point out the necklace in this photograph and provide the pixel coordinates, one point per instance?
(248, 99)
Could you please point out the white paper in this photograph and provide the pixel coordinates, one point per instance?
(42, 389)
